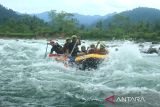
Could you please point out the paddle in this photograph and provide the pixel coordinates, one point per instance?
(97, 44)
(46, 51)
(74, 47)
(70, 56)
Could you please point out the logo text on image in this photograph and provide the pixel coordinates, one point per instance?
(112, 99)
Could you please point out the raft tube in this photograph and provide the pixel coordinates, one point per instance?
(55, 55)
(96, 56)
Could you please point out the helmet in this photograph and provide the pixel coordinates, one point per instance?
(74, 36)
(68, 39)
(52, 42)
(92, 46)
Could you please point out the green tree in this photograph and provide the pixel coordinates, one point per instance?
(63, 22)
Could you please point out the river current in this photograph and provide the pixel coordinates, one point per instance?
(27, 79)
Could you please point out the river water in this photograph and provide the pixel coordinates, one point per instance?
(27, 79)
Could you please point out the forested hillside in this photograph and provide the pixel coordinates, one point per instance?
(137, 24)
(86, 20)
(6, 14)
(14, 25)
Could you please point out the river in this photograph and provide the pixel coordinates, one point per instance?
(27, 79)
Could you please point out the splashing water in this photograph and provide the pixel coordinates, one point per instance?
(27, 79)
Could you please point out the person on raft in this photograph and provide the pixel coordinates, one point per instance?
(56, 47)
(83, 51)
(69, 49)
(73, 46)
(66, 46)
(102, 50)
(94, 49)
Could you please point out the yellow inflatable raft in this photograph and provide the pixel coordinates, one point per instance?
(83, 57)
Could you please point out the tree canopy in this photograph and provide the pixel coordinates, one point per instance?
(136, 24)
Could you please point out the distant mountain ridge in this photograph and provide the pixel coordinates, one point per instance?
(141, 14)
(83, 19)
(90, 19)
(135, 15)
(150, 15)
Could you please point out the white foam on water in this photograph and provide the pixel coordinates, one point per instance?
(23, 67)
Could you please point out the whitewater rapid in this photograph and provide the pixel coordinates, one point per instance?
(27, 79)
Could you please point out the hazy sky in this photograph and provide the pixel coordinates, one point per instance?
(90, 7)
